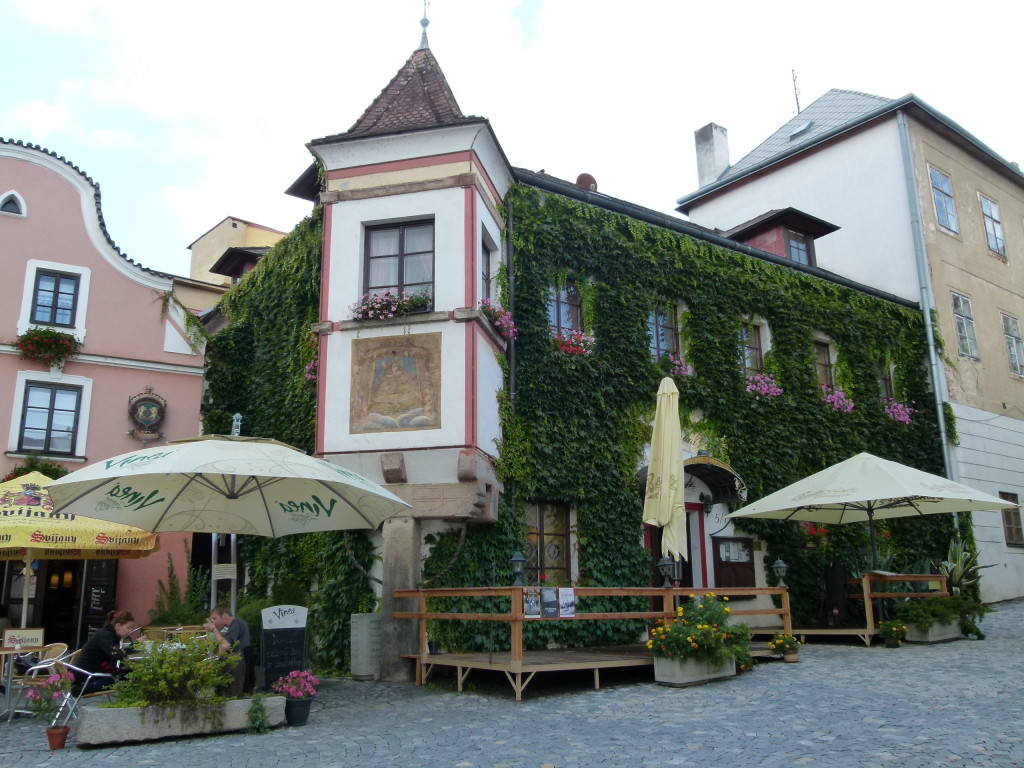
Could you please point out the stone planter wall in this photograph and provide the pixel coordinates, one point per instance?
(937, 633)
(689, 671)
(103, 725)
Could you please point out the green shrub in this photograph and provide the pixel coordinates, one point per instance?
(924, 612)
(177, 677)
(176, 607)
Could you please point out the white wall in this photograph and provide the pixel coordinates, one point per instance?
(856, 184)
(990, 457)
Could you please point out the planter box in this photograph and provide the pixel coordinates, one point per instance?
(689, 671)
(937, 633)
(103, 725)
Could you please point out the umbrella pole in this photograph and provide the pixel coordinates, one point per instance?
(26, 579)
(874, 542)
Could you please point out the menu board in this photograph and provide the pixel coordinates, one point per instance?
(283, 646)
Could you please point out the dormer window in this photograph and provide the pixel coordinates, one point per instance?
(787, 232)
(798, 247)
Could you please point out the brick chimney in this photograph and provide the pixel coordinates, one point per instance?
(712, 153)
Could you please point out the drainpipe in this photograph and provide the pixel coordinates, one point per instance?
(938, 376)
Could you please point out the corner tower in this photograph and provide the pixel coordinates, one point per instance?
(408, 385)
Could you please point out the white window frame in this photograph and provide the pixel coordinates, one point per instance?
(949, 211)
(963, 324)
(993, 225)
(84, 407)
(32, 268)
(1014, 344)
(21, 204)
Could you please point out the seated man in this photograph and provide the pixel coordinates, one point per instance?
(232, 634)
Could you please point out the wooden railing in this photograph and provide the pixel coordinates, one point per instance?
(517, 618)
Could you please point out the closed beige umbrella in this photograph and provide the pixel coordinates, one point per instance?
(663, 503)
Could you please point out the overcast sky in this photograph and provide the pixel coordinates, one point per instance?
(190, 111)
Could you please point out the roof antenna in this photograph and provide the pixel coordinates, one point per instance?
(424, 22)
(796, 91)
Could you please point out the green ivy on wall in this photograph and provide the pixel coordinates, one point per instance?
(256, 366)
(580, 422)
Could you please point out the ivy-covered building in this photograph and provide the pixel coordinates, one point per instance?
(533, 439)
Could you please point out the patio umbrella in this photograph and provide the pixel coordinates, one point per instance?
(31, 530)
(663, 502)
(225, 484)
(865, 488)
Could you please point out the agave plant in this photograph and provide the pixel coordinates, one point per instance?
(961, 567)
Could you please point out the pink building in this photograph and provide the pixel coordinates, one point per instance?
(63, 272)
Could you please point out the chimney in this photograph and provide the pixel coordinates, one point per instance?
(712, 153)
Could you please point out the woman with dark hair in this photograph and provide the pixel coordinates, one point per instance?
(103, 651)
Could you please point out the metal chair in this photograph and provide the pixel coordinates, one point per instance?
(69, 706)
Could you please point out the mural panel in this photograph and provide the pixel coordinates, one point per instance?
(396, 383)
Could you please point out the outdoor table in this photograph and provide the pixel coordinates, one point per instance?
(9, 672)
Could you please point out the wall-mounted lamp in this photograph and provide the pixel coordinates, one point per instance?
(69, 578)
(707, 501)
(517, 561)
(780, 569)
(54, 581)
(666, 565)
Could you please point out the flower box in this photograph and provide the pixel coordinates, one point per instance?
(936, 633)
(111, 725)
(684, 672)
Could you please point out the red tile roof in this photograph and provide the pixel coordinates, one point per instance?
(417, 97)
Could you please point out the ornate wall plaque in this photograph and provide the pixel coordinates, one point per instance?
(146, 412)
(396, 383)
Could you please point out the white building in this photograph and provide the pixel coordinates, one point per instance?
(926, 212)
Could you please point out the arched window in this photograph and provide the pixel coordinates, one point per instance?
(12, 203)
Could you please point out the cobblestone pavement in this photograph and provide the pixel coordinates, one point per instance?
(843, 706)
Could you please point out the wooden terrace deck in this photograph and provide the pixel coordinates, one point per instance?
(520, 665)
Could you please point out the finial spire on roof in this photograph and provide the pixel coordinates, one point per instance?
(424, 22)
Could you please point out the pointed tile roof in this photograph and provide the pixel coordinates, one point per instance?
(417, 97)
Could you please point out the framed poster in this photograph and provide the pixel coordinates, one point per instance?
(531, 602)
(566, 603)
(549, 602)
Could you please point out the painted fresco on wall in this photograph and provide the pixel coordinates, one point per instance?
(396, 383)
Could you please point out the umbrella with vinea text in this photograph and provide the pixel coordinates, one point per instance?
(865, 488)
(225, 484)
(30, 530)
(663, 502)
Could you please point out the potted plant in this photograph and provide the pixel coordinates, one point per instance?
(935, 619)
(500, 318)
(45, 700)
(893, 632)
(787, 645)
(575, 343)
(699, 644)
(382, 306)
(299, 689)
(48, 345)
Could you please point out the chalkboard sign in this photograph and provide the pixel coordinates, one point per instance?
(284, 641)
